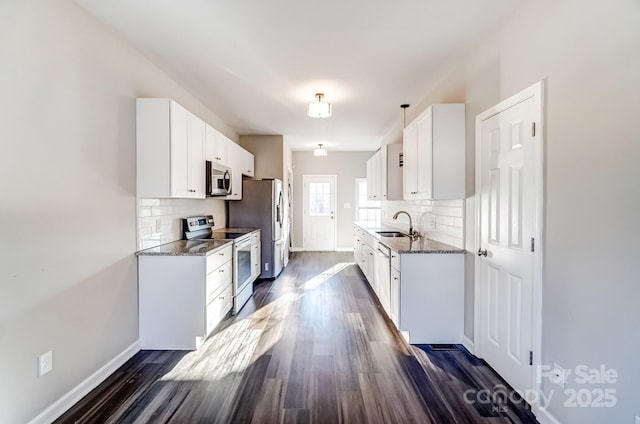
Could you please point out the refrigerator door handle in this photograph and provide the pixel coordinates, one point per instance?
(279, 210)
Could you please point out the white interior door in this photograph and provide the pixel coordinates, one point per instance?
(507, 164)
(319, 224)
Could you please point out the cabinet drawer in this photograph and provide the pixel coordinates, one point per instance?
(395, 260)
(216, 259)
(219, 278)
(219, 306)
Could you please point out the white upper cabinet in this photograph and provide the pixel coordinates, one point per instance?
(384, 175)
(248, 163)
(434, 154)
(170, 152)
(216, 146)
(373, 177)
(236, 160)
(241, 163)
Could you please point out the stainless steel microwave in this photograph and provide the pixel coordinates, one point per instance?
(218, 179)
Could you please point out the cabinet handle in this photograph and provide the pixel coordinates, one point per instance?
(395, 278)
(192, 191)
(221, 298)
(221, 254)
(221, 270)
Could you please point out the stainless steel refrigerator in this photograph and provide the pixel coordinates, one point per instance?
(262, 207)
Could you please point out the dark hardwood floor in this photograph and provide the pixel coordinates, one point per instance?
(313, 346)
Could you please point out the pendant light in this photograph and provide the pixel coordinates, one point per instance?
(404, 125)
(319, 109)
(320, 151)
(404, 114)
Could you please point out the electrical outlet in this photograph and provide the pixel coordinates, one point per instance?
(558, 375)
(45, 363)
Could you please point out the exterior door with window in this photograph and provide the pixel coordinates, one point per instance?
(319, 223)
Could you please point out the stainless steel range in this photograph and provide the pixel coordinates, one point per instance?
(201, 228)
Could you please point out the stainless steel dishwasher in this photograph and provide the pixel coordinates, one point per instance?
(383, 276)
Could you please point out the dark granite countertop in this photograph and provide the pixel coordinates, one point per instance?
(185, 248)
(405, 245)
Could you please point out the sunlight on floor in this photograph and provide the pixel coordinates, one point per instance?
(232, 350)
(317, 281)
(229, 352)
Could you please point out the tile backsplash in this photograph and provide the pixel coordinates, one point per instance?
(441, 220)
(159, 219)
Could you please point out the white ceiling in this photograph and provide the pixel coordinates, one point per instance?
(257, 63)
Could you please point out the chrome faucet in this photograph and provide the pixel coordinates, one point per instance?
(412, 233)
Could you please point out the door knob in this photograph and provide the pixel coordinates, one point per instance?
(482, 252)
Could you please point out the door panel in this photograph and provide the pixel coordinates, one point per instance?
(507, 160)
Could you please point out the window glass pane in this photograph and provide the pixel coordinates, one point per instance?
(319, 199)
(368, 211)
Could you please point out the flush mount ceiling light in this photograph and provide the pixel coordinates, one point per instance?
(320, 151)
(319, 109)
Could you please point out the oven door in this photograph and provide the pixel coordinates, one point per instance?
(242, 272)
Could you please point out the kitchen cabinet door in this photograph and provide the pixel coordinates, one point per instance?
(170, 143)
(370, 177)
(424, 155)
(356, 245)
(374, 174)
(216, 146)
(234, 156)
(394, 296)
(410, 149)
(248, 163)
(431, 299)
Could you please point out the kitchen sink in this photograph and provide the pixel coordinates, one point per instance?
(392, 234)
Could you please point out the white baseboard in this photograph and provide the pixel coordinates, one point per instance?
(344, 249)
(544, 417)
(338, 249)
(62, 405)
(469, 345)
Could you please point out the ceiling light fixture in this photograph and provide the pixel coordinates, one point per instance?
(319, 109)
(320, 151)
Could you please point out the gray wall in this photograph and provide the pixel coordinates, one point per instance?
(588, 53)
(269, 154)
(347, 166)
(67, 134)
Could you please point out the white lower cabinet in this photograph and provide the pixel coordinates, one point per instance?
(431, 297)
(424, 295)
(183, 298)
